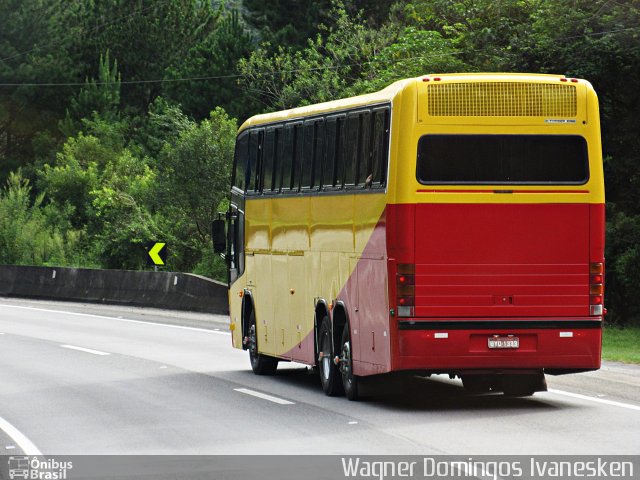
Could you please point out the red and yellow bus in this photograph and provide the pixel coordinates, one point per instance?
(446, 224)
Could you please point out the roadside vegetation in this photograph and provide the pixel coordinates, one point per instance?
(621, 344)
(117, 118)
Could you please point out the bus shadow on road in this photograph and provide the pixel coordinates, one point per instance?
(401, 392)
(440, 394)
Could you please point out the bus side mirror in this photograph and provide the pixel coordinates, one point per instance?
(218, 235)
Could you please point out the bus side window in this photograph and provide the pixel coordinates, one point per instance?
(380, 142)
(287, 157)
(268, 160)
(329, 165)
(318, 155)
(240, 160)
(254, 163)
(340, 151)
(278, 159)
(297, 157)
(237, 244)
(351, 150)
(307, 155)
(365, 175)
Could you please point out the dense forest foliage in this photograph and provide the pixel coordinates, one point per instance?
(117, 117)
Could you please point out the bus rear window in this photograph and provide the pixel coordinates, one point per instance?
(502, 159)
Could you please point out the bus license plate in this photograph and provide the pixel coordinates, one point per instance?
(504, 342)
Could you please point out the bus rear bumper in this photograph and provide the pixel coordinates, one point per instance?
(463, 346)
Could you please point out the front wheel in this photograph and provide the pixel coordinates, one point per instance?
(349, 380)
(260, 364)
(329, 373)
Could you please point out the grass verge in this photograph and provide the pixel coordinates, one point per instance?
(621, 344)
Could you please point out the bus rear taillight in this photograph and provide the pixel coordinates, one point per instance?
(405, 289)
(596, 288)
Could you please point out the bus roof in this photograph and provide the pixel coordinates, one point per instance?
(382, 96)
(387, 94)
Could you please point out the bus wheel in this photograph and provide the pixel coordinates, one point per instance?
(329, 373)
(260, 364)
(349, 380)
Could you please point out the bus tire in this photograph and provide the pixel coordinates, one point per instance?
(349, 380)
(260, 364)
(330, 376)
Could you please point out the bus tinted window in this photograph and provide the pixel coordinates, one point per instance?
(297, 156)
(340, 151)
(254, 161)
(318, 154)
(307, 155)
(268, 160)
(241, 154)
(328, 168)
(287, 158)
(380, 146)
(502, 159)
(278, 159)
(351, 157)
(364, 150)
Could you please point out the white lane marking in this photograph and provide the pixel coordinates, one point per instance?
(18, 437)
(264, 396)
(119, 319)
(10, 447)
(353, 423)
(596, 399)
(86, 350)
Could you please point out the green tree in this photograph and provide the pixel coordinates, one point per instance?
(193, 178)
(322, 71)
(101, 97)
(105, 190)
(486, 32)
(286, 22)
(161, 126)
(623, 267)
(122, 222)
(27, 235)
(149, 38)
(413, 53)
(35, 44)
(212, 63)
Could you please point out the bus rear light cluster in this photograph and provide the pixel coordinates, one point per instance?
(596, 289)
(405, 289)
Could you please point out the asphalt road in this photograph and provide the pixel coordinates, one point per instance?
(89, 379)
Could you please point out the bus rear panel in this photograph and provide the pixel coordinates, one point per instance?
(496, 241)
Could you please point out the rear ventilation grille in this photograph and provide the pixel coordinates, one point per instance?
(502, 99)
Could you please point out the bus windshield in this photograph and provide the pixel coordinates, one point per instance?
(503, 159)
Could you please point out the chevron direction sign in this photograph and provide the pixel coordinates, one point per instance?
(157, 253)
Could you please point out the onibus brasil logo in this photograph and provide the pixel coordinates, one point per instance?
(38, 469)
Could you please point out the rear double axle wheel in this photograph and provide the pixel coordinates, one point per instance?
(336, 367)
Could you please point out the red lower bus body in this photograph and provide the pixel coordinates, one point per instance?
(487, 270)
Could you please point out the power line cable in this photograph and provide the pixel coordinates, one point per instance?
(276, 72)
(229, 76)
(91, 30)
